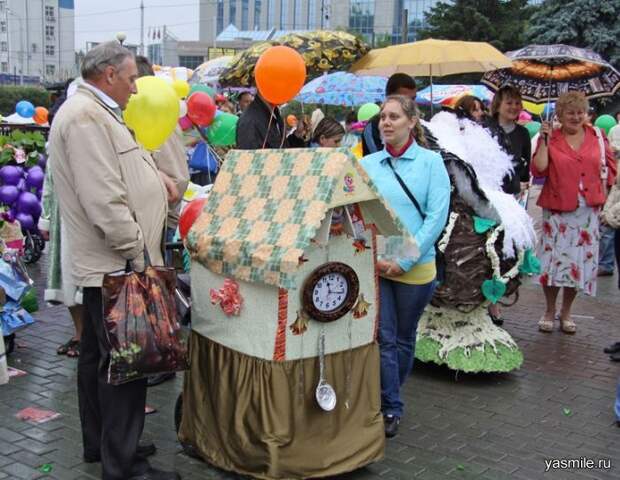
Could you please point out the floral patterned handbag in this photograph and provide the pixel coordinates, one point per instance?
(141, 323)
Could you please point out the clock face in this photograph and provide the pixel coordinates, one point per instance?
(330, 292)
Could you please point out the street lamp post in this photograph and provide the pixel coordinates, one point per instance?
(121, 37)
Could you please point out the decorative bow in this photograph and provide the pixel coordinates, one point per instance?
(228, 297)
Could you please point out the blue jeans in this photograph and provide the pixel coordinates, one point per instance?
(606, 249)
(617, 405)
(400, 310)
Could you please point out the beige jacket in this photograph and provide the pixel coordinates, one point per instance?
(111, 198)
(172, 160)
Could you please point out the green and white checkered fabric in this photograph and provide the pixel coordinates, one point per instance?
(264, 210)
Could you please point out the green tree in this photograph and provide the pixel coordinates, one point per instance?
(582, 23)
(501, 23)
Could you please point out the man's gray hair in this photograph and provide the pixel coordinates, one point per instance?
(104, 54)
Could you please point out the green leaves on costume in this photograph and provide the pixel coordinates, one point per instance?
(531, 264)
(483, 225)
(493, 290)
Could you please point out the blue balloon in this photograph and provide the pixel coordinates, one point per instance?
(24, 109)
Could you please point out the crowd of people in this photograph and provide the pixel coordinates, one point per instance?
(130, 208)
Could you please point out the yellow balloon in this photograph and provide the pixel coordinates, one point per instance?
(153, 112)
(536, 109)
(181, 87)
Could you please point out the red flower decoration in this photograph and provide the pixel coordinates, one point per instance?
(228, 297)
(544, 279)
(574, 272)
(547, 229)
(589, 255)
(584, 237)
(562, 228)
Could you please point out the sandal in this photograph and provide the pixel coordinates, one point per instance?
(568, 326)
(64, 348)
(545, 325)
(74, 350)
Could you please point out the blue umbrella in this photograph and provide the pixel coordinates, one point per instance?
(442, 93)
(342, 88)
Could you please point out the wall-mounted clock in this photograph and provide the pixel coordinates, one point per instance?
(330, 292)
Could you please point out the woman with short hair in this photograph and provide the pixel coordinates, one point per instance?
(573, 159)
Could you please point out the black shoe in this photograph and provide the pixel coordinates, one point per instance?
(145, 449)
(391, 423)
(499, 321)
(618, 423)
(613, 348)
(154, 474)
(159, 378)
(615, 357)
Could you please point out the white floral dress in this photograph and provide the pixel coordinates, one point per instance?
(568, 249)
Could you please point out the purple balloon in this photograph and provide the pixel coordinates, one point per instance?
(8, 194)
(42, 161)
(26, 221)
(21, 185)
(11, 175)
(35, 178)
(29, 203)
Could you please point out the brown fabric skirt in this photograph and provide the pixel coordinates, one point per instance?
(260, 418)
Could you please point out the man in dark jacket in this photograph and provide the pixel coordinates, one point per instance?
(261, 126)
(397, 84)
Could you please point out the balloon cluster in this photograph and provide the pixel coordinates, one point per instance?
(25, 109)
(606, 123)
(20, 193)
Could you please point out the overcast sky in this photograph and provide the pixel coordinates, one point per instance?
(100, 20)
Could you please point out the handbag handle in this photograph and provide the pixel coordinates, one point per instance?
(147, 261)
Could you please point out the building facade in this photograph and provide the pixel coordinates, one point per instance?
(371, 18)
(37, 39)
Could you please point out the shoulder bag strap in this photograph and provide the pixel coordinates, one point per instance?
(407, 191)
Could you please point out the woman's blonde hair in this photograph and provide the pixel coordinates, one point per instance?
(411, 111)
(571, 99)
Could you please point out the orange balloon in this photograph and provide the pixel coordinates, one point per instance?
(40, 115)
(291, 121)
(280, 73)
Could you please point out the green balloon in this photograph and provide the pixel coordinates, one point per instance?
(367, 111)
(533, 128)
(605, 122)
(223, 131)
(202, 88)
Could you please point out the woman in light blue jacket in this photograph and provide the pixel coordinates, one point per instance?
(415, 184)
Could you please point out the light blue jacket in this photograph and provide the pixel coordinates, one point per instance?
(425, 175)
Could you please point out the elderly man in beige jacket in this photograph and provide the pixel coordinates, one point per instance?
(113, 203)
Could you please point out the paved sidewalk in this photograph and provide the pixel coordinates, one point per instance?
(559, 405)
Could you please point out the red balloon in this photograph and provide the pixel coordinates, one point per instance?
(201, 109)
(190, 214)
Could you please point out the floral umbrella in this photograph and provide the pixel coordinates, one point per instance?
(341, 88)
(543, 72)
(322, 51)
(444, 94)
(209, 72)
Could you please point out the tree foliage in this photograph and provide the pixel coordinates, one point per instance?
(501, 23)
(592, 24)
(10, 95)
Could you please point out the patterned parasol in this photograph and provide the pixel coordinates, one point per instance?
(322, 51)
(449, 94)
(341, 88)
(543, 72)
(209, 72)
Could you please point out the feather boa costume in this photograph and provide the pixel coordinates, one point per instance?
(458, 331)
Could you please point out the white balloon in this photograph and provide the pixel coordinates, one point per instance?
(182, 108)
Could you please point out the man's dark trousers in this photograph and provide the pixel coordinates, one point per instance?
(112, 416)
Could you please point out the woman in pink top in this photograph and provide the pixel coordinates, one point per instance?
(571, 198)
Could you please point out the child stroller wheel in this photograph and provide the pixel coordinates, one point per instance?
(32, 252)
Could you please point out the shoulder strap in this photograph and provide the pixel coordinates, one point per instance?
(407, 191)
